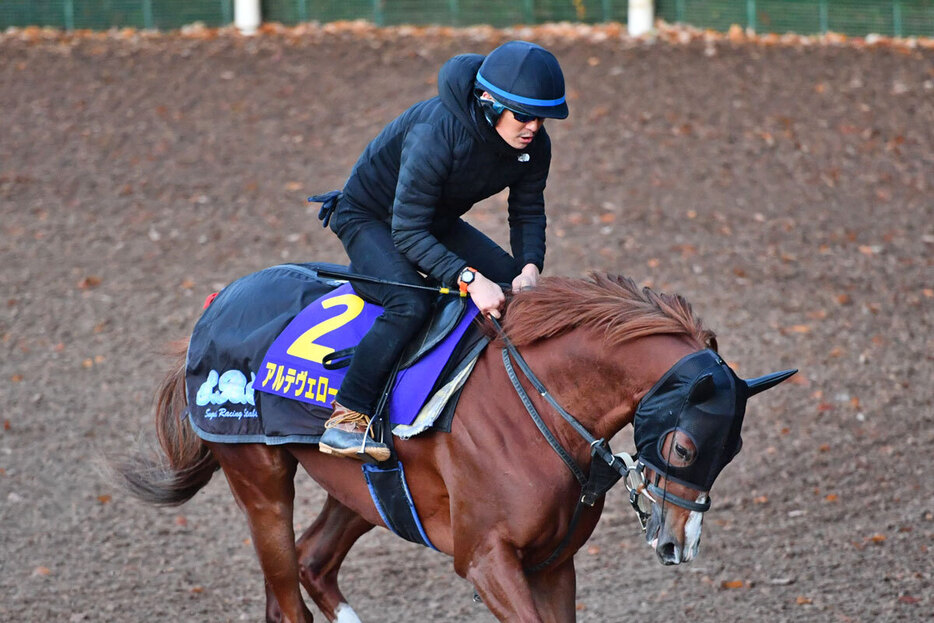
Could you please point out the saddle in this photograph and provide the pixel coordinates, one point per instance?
(447, 312)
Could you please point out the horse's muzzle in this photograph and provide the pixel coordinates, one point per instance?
(674, 547)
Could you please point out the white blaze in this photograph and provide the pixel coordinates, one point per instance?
(692, 532)
(345, 614)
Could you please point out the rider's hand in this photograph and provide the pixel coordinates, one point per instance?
(528, 278)
(486, 295)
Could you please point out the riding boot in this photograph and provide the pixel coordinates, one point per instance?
(345, 434)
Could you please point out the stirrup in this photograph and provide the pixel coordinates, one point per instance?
(353, 445)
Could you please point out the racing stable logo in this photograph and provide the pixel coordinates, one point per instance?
(230, 387)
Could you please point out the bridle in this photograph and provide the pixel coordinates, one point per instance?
(606, 468)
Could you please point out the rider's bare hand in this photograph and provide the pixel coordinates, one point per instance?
(528, 278)
(486, 295)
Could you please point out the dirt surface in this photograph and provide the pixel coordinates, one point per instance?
(785, 190)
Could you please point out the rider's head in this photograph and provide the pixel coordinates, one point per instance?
(523, 78)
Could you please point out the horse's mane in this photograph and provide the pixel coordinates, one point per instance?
(609, 302)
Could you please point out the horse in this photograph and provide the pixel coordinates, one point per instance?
(498, 493)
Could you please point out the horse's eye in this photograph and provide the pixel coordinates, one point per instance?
(677, 448)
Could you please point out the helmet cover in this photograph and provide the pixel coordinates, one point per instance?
(525, 78)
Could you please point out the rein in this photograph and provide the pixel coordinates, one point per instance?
(606, 468)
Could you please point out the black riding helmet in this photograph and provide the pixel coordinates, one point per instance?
(523, 77)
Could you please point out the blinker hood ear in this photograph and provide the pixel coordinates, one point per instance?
(762, 383)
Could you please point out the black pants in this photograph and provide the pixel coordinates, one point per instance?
(369, 245)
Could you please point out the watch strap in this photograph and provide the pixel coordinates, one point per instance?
(463, 285)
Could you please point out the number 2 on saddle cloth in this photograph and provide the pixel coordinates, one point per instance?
(307, 361)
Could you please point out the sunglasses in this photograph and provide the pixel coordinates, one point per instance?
(498, 108)
(524, 118)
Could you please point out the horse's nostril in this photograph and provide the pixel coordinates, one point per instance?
(667, 553)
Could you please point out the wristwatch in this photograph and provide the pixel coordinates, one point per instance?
(467, 277)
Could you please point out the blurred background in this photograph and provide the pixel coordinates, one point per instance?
(781, 183)
(899, 18)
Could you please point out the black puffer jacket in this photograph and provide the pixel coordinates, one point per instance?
(432, 163)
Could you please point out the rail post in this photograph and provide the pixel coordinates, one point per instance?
(378, 16)
(897, 17)
(147, 15)
(247, 15)
(640, 17)
(69, 9)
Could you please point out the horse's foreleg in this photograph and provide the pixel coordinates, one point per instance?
(261, 480)
(321, 550)
(555, 591)
(496, 574)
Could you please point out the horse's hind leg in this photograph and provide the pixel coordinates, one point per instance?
(321, 550)
(261, 480)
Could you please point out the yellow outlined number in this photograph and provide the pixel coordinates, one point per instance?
(304, 347)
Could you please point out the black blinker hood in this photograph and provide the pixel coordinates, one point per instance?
(701, 396)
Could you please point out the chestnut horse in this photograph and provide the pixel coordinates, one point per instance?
(493, 494)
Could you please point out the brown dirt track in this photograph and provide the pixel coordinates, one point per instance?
(785, 190)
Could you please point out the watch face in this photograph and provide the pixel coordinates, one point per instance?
(467, 276)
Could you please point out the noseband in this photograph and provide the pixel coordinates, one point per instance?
(640, 491)
(606, 468)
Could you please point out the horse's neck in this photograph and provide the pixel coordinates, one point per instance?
(601, 385)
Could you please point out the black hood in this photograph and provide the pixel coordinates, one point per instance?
(455, 87)
(701, 396)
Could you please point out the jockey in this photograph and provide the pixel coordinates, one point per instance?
(399, 215)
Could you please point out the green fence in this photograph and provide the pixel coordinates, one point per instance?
(498, 13)
(104, 14)
(900, 18)
(853, 17)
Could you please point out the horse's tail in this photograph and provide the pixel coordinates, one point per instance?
(184, 466)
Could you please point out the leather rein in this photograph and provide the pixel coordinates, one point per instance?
(606, 468)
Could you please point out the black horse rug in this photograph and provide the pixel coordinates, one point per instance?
(267, 356)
